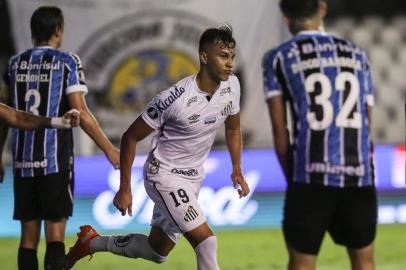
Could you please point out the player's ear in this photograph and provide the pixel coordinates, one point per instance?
(203, 57)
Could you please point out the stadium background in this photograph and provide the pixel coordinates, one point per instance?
(133, 48)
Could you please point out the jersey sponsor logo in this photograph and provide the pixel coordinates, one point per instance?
(318, 167)
(210, 120)
(162, 105)
(152, 113)
(326, 62)
(45, 65)
(31, 164)
(227, 109)
(190, 214)
(191, 100)
(190, 172)
(224, 91)
(123, 240)
(194, 118)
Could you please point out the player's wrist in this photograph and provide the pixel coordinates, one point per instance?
(60, 122)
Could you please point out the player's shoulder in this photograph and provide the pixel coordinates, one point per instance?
(282, 49)
(234, 82)
(343, 41)
(70, 57)
(271, 54)
(17, 56)
(172, 96)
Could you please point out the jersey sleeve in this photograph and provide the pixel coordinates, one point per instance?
(271, 84)
(76, 77)
(235, 85)
(369, 88)
(159, 109)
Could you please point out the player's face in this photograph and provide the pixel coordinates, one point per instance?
(220, 60)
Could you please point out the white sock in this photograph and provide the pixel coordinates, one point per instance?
(206, 254)
(130, 245)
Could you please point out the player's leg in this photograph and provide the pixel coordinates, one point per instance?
(355, 226)
(362, 258)
(307, 215)
(55, 247)
(177, 211)
(301, 261)
(56, 206)
(26, 209)
(154, 247)
(204, 242)
(27, 252)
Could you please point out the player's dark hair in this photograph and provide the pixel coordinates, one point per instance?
(46, 21)
(223, 34)
(299, 9)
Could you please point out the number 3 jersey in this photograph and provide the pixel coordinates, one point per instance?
(39, 80)
(327, 82)
(187, 123)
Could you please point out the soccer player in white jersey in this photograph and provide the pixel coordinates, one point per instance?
(186, 117)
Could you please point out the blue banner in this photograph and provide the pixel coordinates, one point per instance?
(96, 183)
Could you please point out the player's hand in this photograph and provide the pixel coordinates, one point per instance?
(239, 182)
(123, 202)
(72, 116)
(114, 157)
(68, 120)
(1, 173)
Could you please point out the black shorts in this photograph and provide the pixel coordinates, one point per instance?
(348, 214)
(48, 197)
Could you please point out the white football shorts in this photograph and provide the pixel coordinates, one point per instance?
(174, 192)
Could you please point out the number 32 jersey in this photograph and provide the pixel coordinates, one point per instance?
(327, 82)
(187, 122)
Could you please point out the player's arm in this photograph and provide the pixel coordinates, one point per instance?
(138, 130)
(92, 128)
(277, 112)
(23, 120)
(4, 98)
(234, 143)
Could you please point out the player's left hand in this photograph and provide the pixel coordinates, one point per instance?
(239, 182)
(123, 202)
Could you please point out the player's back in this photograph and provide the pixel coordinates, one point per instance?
(327, 81)
(39, 80)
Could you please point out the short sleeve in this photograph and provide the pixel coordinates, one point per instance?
(236, 90)
(159, 109)
(369, 87)
(271, 84)
(76, 78)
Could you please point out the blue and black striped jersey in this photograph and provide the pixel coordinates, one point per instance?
(39, 80)
(327, 82)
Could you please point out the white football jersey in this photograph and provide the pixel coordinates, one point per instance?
(187, 122)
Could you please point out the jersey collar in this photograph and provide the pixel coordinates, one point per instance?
(311, 32)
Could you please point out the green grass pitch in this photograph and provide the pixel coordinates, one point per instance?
(237, 250)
